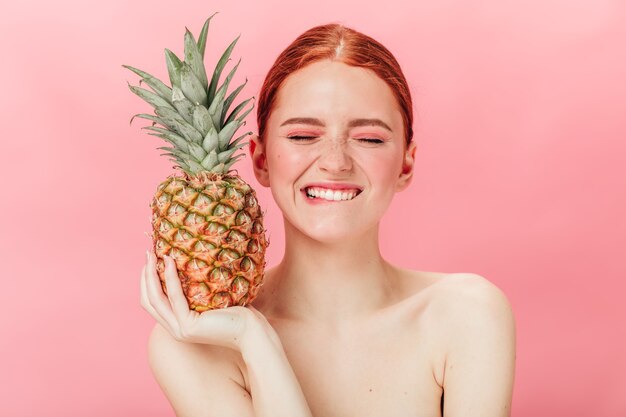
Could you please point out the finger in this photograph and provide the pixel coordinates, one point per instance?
(158, 300)
(143, 296)
(145, 302)
(256, 312)
(175, 293)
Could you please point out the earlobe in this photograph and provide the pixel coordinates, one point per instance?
(408, 164)
(259, 162)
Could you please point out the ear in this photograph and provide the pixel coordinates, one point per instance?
(408, 164)
(259, 161)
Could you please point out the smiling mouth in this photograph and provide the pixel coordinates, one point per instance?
(331, 196)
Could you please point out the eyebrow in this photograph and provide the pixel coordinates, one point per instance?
(353, 123)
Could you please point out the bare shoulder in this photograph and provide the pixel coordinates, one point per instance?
(446, 298)
(463, 305)
(198, 379)
(469, 294)
(477, 332)
(459, 299)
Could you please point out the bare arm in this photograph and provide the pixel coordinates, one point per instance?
(191, 357)
(275, 389)
(198, 380)
(480, 363)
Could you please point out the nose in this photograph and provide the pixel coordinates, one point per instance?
(334, 157)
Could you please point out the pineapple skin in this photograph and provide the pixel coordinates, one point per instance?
(212, 226)
(208, 220)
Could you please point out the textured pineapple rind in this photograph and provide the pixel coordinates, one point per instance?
(212, 225)
(207, 219)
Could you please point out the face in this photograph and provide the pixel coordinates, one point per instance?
(334, 145)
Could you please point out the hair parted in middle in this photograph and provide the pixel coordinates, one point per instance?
(339, 43)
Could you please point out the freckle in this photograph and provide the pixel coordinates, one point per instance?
(370, 390)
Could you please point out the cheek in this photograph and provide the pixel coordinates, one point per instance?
(383, 173)
(285, 168)
(284, 161)
(383, 167)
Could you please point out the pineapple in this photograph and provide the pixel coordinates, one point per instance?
(207, 218)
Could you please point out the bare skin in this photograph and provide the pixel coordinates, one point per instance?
(388, 363)
(393, 363)
(363, 337)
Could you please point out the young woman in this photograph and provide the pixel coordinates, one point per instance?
(336, 330)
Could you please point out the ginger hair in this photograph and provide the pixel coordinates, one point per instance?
(338, 43)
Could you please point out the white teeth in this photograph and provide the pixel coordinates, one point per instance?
(330, 195)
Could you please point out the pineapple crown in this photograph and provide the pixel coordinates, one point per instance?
(192, 112)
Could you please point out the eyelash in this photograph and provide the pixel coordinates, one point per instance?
(311, 137)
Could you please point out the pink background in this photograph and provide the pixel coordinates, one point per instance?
(520, 178)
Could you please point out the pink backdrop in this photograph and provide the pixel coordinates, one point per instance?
(520, 178)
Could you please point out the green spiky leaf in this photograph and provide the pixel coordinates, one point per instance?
(236, 141)
(216, 108)
(182, 165)
(176, 158)
(173, 152)
(191, 112)
(174, 65)
(192, 86)
(157, 85)
(218, 168)
(177, 123)
(182, 104)
(170, 137)
(229, 100)
(201, 120)
(226, 134)
(243, 116)
(194, 59)
(211, 140)
(203, 35)
(147, 116)
(194, 166)
(225, 156)
(229, 77)
(219, 67)
(151, 98)
(196, 151)
(232, 161)
(210, 160)
(237, 109)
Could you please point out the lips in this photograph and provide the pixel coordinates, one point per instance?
(334, 186)
(324, 201)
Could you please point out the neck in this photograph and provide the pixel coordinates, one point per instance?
(330, 284)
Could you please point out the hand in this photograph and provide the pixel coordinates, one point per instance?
(223, 327)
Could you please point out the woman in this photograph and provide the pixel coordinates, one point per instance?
(336, 330)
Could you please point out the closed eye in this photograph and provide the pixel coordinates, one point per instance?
(300, 138)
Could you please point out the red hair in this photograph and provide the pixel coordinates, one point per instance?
(337, 43)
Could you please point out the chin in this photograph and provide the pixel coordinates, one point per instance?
(330, 233)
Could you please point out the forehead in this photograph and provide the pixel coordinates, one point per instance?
(329, 88)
